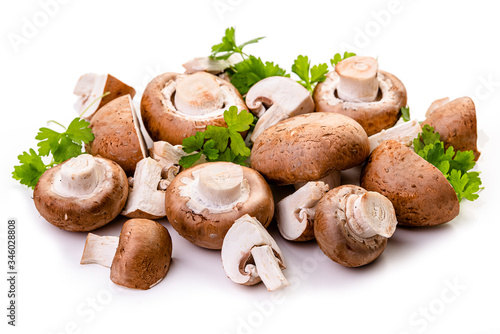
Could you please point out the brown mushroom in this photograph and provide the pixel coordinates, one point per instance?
(203, 202)
(82, 193)
(359, 90)
(175, 106)
(309, 147)
(456, 123)
(420, 193)
(352, 225)
(117, 134)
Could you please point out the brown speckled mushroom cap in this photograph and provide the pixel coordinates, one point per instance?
(205, 228)
(308, 147)
(420, 193)
(117, 134)
(143, 255)
(164, 120)
(456, 123)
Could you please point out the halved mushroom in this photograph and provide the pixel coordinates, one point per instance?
(117, 134)
(210, 65)
(91, 86)
(352, 225)
(295, 213)
(456, 123)
(203, 202)
(250, 254)
(436, 104)
(359, 90)
(403, 133)
(309, 147)
(145, 200)
(274, 99)
(139, 258)
(420, 193)
(82, 193)
(176, 106)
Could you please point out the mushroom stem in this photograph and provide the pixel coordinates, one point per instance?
(198, 94)
(268, 268)
(370, 214)
(333, 180)
(77, 177)
(403, 133)
(358, 79)
(220, 187)
(99, 250)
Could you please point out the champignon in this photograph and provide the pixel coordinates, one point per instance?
(203, 202)
(295, 213)
(91, 86)
(359, 90)
(352, 225)
(139, 258)
(117, 134)
(403, 133)
(456, 123)
(82, 193)
(249, 255)
(420, 193)
(176, 106)
(210, 65)
(309, 147)
(274, 99)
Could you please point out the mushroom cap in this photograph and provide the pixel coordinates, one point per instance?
(457, 125)
(333, 235)
(83, 213)
(164, 122)
(143, 255)
(207, 229)
(308, 147)
(117, 134)
(373, 116)
(420, 193)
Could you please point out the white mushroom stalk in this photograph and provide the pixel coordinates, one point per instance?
(218, 190)
(403, 133)
(370, 214)
(250, 254)
(99, 250)
(358, 79)
(80, 176)
(295, 213)
(332, 180)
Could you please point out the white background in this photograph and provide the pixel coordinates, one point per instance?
(438, 49)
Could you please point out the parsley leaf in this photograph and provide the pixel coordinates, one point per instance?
(189, 160)
(405, 113)
(30, 170)
(228, 46)
(337, 58)
(309, 76)
(193, 143)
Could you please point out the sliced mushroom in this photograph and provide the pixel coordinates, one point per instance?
(403, 133)
(203, 202)
(274, 99)
(250, 254)
(295, 213)
(457, 125)
(359, 90)
(82, 193)
(176, 106)
(139, 259)
(145, 200)
(352, 225)
(420, 193)
(91, 86)
(309, 147)
(210, 65)
(117, 134)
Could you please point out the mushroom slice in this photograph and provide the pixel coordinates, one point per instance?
(117, 134)
(359, 90)
(250, 254)
(91, 86)
(202, 202)
(175, 106)
(403, 133)
(277, 98)
(295, 213)
(82, 193)
(139, 258)
(457, 125)
(308, 147)
(145, 200)
(420, 193)
(210, 65)
(352, 225)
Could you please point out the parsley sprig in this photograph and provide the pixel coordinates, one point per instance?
(455, 165)
(309, 76)
(337, 58)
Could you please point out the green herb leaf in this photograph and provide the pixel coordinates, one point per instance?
(189, 160)
(209, 151)
(309, 77)
(193, 143)
(79, 131)
(238, 144)
(337, 58)
(238, 121)
(30, 169)
(228, 47)
(405, 113)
